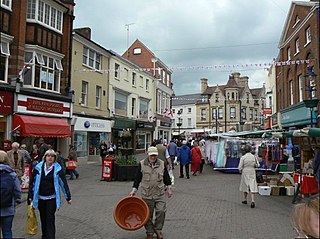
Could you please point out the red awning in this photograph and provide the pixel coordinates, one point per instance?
(41, 126)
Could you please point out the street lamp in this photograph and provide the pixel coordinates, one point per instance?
(311, 103)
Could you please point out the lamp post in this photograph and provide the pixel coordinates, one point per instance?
(312, 87)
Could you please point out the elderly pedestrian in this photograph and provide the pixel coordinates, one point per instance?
(16, 160)
(10, 195)
(44, 191)
(247, 165)
(155, 181)
(184, 157)
(305, 218)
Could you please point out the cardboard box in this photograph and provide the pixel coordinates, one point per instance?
(275, 190)
(274, 182)
(264, 190)
(289, 190)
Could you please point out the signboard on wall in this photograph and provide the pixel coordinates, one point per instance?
(39, 106)
(6, 102)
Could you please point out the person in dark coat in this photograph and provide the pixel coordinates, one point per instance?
(7, 212)
(184, 157)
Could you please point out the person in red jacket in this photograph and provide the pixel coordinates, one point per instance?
(196, 158)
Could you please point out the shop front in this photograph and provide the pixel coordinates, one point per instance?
(42, 118)
(123, 135)
(144, 133)
(163, 128)
(297, 116)
(88, 133)
(6, 109)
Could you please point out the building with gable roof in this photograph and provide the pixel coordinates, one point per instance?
(142, 56)
(299, 42)
(233, 106)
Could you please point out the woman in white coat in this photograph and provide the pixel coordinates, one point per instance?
(247, 165)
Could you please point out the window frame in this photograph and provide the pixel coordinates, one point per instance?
(6, 6)
(45, 13)
(308, 35)
(98, 96)
(84, 93)
(233, 112)
(94, 57)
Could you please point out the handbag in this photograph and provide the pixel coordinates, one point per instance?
(71, 164)
(32, 223)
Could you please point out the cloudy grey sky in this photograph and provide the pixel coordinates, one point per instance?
(184, 33)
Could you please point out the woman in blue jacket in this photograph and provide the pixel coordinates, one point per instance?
(44, 191)
(10, 195)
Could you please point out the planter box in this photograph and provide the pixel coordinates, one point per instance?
(125, 172)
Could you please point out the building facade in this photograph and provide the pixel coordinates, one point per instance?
(295, 80)
(132, 105)
(230, 107)
(139, 54)
(35, 71)
(91, 122)
(184, 121)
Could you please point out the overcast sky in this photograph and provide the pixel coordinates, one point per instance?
(184, 33)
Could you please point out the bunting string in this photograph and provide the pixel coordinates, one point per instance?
(211, 67)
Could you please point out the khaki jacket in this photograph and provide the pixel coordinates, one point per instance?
(20, 164)
(152, 185)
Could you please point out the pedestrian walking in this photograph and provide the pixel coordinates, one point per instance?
(247, 165)
(43, 147)
(44, 192)
(26, 155)
(163, 154)
(196, 159)
(62, 161)
(203, 154)
(184, 157)
(16, 160)
(153, 190)
(173, 151)
(73, 156)
(103, 150)
(10, 195)
(305, 218)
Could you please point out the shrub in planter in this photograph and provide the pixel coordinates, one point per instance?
(125, 168)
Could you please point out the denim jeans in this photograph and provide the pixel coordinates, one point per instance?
(72, 173)
(6, 225)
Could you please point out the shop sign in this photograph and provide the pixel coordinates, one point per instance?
(267, 111)
(92, 125)
(165, 124)
(6, 102)
(145, 125)
(39, 106)
(298, 115)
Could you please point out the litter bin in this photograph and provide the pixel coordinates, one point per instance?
(108, 167)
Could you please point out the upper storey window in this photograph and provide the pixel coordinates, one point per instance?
(45, 14)
(6, 4)
(91, 58)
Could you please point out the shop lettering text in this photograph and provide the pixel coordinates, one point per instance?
(44, 106)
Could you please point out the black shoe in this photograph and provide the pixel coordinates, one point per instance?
(244, 202)
(188, 177)
(253, 205)
(181, 176)
(77, 176)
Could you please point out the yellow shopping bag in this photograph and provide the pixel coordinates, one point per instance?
(32, 224)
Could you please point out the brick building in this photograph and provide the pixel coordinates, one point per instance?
(36, 44)
(299, 42)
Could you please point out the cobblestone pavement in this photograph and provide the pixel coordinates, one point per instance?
(207, 206)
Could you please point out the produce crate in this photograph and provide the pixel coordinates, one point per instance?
(264, 190)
